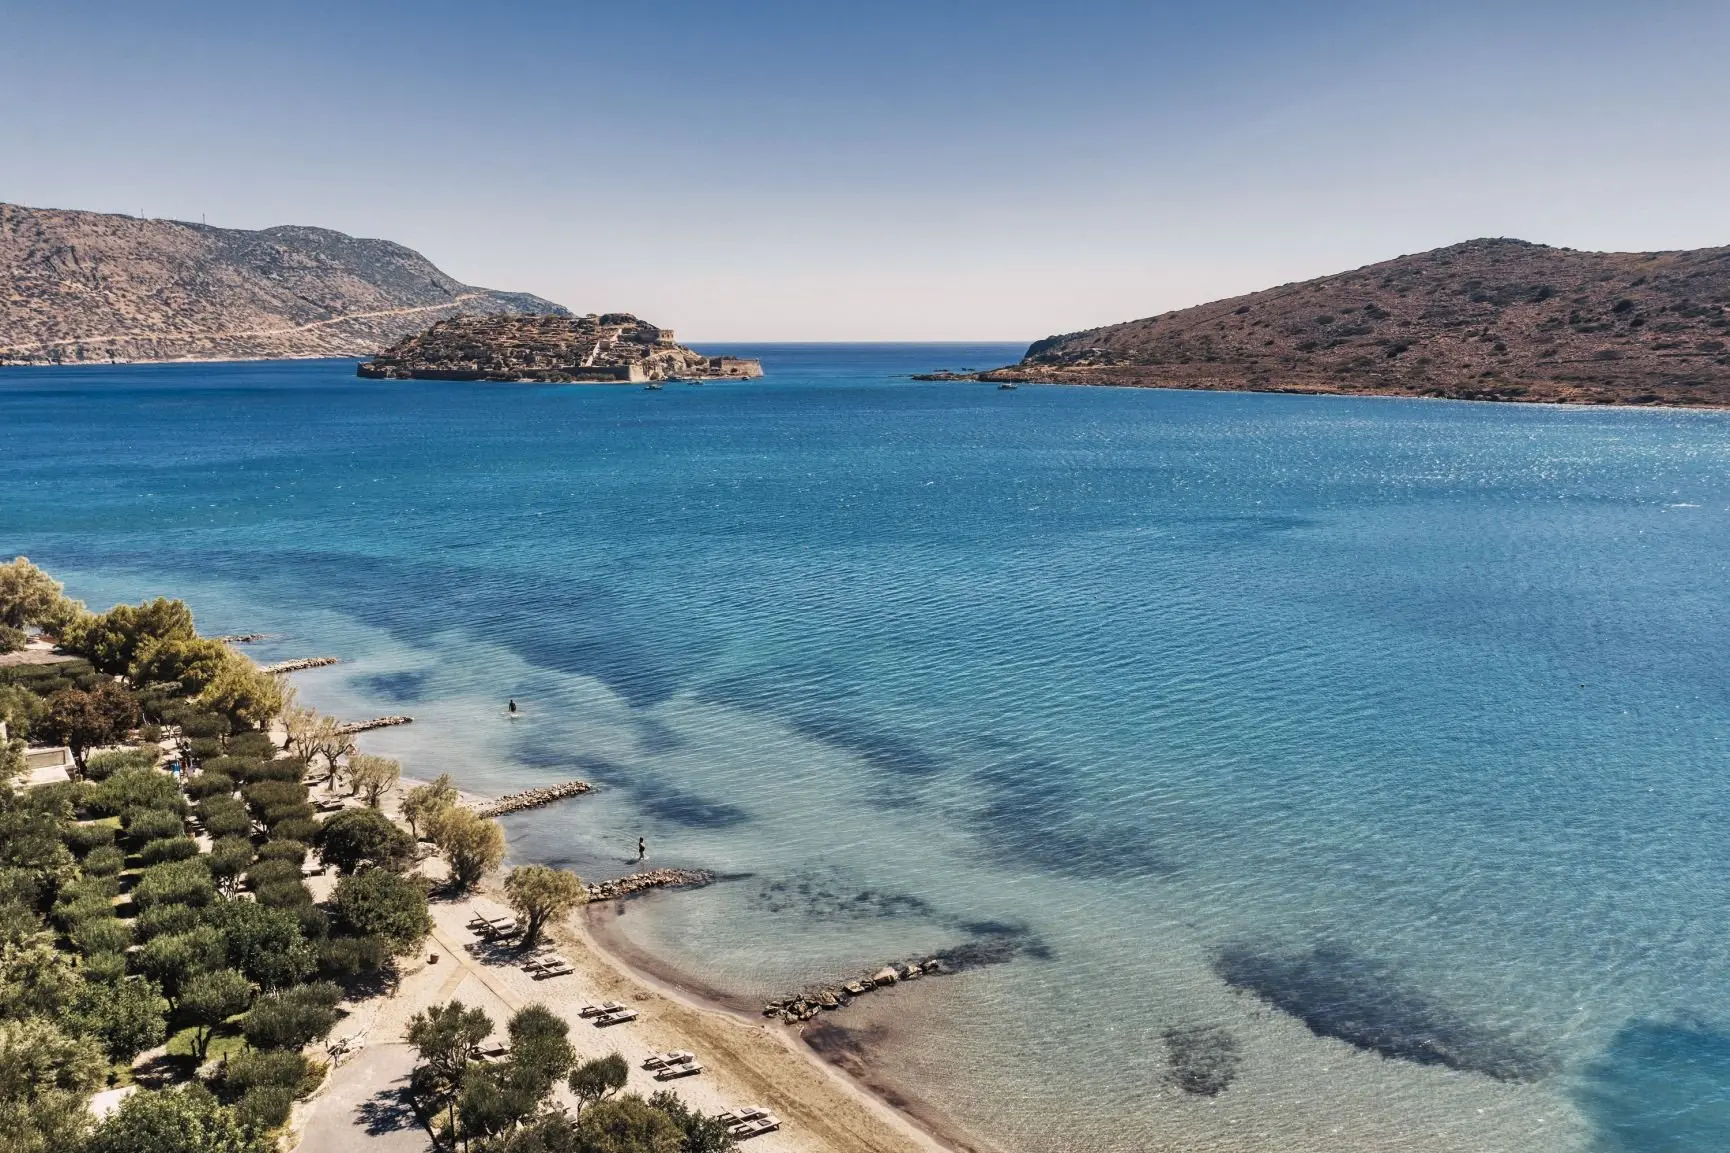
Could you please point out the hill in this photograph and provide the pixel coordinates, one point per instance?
(613, 347)
(87, 286)
(1483, 320)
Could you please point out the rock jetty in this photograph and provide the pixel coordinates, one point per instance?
(615, 346)
(240, 638)
(826, 998)
(653, 879)
(533, 798)
(375, 723)
(295, 666)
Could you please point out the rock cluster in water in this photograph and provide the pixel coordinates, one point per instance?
(653, 879)
(295, 666)
(804, 1006)
(533, 798)
(375, 723)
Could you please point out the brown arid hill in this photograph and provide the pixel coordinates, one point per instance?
(1483, 320)
(615, 346)
(87, 286)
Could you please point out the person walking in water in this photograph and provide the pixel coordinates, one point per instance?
(513, 705)
(642, 848)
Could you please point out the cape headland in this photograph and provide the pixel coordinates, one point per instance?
(80, 287)
(614, 346)
(1484, 320)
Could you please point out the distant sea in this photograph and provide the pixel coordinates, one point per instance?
(1294, 773)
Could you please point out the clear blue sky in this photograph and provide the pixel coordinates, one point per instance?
(932, 170)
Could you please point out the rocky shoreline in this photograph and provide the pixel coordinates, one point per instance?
(300, 663)
(533, 798)
(375, 723)
(799, 1007)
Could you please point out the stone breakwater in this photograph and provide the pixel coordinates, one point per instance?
(827, 998)
(349, 730)
(295, 666)
(533, 798)
(653, 879)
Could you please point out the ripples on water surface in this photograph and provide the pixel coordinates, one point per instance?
(1359, 763)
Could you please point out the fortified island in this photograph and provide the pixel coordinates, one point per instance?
(614, 346)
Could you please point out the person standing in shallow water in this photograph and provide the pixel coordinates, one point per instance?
(642, 848)
(513, 705)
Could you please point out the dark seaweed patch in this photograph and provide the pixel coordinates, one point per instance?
(879, 749)
(1340, 994)
(995, 943)
(829, 897)
(404, 686)
(1204, 1059)
(1032, 819)
(682, 807)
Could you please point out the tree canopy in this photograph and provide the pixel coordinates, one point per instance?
(539, 894)
(356, 837)
(473, 844)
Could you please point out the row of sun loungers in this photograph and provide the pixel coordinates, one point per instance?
(662, 1060)
(748, 1122)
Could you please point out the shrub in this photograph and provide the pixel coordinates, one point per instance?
(126, 1016)
(105, 862)
(273, 1069)
(195, 722)
(230, 766)
(71, 910)
(304, 830)
(205, 748)
(379, 903)
(264, 1108)
(106, 934)
(293, 1018)
(209, 784)
(168, 849)
(264, 943)
(145, 825)
(224, 817)
(283, 895)
(229, 858)
(261, 795)
(291, 771)
(283, 850)
(345, 958)
(174, 883)
(105, 967)
(271, 872)
(255, 745)
(274, 815)
(137, 788)
(165, 920)
(101, 766)
(187, 1119)
(82, 839)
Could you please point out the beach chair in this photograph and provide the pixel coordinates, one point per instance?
(553, 971)
(615, 1018)
(492, 1049)
(674, 1072)
(755, 1127)
(588, 1011)
(734, 1117)
(662, 1060)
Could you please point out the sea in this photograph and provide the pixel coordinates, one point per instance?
(1278, 772)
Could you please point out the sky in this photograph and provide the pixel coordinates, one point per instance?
(939, 170)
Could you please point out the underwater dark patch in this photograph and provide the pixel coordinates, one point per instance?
(655, 737)
(1659, 1085)
(881, 750)
(1031, 819)
(1341, 994)
(405, 686)
(682, 807)
(827, 896)
(995, 943)
(1204, 1059)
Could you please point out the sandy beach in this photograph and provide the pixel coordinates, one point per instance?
(746, 1060)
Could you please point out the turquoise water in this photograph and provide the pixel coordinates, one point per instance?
(1381, 744)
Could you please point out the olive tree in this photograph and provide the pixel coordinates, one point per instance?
(473, 844)
(540, 893)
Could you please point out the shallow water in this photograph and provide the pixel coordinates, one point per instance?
(1367, 753)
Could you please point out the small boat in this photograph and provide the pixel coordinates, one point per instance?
(754, 1128)
(663, 1060)
(1005, 386)
(588, 1011)
(652, 386)
(673, 1072)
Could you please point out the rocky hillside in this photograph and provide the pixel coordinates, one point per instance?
(611, 347)
(1484, 320)
(84, 286)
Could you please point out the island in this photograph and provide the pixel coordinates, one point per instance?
(550, 348)
(1491, 319)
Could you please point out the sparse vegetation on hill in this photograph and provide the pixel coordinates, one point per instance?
(1484, 320)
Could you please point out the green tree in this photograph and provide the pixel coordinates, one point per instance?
(446, 1037)
(244, 693)
(499, 1097)
(372, 777)
(46, 1079)
(174, 883)
(628, 1124)
(421, 804)
(172, 961)
(188, 1119)
(128, 1017)
(211, 998)
(265, 944)
(596, 1080)
(111, 640)
(474, 844)
(84, 719)
(134, 788)
(293, 1018)
(540, 894)
(191, 662)
(379, 903)
(228, 859)
(703, 1134)
(356, 837)
(29, 596)
(36, 979)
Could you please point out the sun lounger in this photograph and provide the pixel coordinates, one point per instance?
(662, 1060)
(493, 1049)
(553, 971)
(739, 1116)
(543, 961)
(597, 1010)
(615, 1018)
(754, 1128)
(674, 1072)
